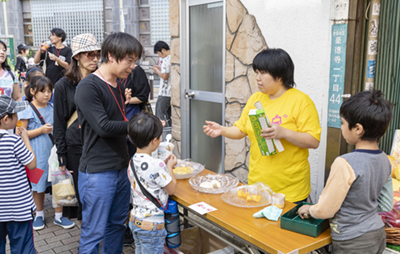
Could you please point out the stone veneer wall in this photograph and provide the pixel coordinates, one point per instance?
(243, 41)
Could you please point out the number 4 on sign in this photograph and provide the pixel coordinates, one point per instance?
(335, 100)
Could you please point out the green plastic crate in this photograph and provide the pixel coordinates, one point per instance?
(312, 227)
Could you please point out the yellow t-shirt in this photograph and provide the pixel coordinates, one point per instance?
(286, 172)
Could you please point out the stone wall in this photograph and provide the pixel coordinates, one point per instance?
(243, 41)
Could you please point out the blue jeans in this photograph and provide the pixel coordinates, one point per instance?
(105, 208)
(148, 242)
(20, 234)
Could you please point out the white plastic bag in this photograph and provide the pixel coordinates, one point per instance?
(63, 188)
(53, 163)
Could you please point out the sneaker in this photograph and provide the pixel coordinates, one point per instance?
(128, 239)
(64, 222)
(38, 223)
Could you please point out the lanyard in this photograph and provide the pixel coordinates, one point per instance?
(122, 110)
(58, 51)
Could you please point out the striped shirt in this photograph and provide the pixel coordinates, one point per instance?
(16, 202)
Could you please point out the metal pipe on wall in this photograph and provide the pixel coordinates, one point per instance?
(372, 44)
(5, 18)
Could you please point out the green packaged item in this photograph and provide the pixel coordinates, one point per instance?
(293, 222)
(258, 122)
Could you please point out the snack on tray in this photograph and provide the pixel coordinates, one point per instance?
(211, 184)
(255, 195)
(183, 170)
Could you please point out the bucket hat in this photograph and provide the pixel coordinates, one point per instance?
(84, 43)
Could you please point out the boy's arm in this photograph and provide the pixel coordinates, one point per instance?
(171, 162)
(23, 133)
(385, 199)
(337, 186)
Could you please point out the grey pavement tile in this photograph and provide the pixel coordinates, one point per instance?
(63, 231)
(65, 252)
(47, 252)
(44, 236)
(71, 239)
(67, 247)
(129, 251)
(40, 243)
(49, 246)
(49, 229)
(58, 238)
(74, 251)
(75, 232)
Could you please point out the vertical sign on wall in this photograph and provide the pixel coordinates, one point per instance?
(336, 74)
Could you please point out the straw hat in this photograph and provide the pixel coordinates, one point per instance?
(84, 43)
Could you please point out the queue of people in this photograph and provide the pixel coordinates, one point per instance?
(96, 109)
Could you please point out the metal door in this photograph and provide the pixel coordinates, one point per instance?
(203, 75)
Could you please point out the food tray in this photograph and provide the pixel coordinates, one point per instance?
(261, 189)
(293, 222)
(227, 182)
(196, 166)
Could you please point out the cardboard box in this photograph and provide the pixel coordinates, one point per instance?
(197, 241)
(258, 122)
(312, 227)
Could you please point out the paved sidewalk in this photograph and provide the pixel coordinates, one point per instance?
(54, 239)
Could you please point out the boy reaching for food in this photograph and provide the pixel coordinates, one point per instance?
(359, 183)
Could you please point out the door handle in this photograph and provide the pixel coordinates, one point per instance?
(189, 95)
(346, 95)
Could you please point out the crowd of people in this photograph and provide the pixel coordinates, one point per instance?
(98, 125)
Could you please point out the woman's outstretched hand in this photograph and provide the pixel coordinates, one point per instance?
(212, 129)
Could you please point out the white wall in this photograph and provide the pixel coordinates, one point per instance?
(302, 28)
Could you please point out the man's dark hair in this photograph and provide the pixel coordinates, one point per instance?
(277, 63)
(369, 109)
(59, 33)
(159, 46)
(143, 128)
(120, 45)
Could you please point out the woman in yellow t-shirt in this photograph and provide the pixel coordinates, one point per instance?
(294, 120)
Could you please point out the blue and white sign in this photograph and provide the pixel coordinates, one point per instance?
(336, 74)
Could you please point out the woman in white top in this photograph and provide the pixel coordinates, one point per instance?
(9, 84)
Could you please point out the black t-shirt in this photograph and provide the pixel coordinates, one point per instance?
(103, 129)
(54, 71)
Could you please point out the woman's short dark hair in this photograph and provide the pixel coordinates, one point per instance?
(143, 128)
(159, 46)
(369, 109)
(277, 63)
(120, 45)
(59, 33)
(5, 65)
(38, 83)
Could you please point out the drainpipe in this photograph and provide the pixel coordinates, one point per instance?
(372, 43)
(5, 18)
(121, 16)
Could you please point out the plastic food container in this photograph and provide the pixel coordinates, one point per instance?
(312, 227)
(197, 168)
(263, 190)
(226, 182)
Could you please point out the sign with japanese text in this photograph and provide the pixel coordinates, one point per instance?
(202, 208)
(336, 74)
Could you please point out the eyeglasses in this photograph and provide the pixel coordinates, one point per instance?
(92, 54)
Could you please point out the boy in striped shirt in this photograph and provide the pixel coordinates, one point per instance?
(16, 202)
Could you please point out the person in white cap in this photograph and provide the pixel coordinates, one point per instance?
(85, 57)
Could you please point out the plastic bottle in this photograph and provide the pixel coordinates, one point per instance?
(172, 225)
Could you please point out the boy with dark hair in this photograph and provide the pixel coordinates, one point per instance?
(360, 183)
(147, 220)
(163, 105)
(57, 57)
(103, 183)
(16, 202)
